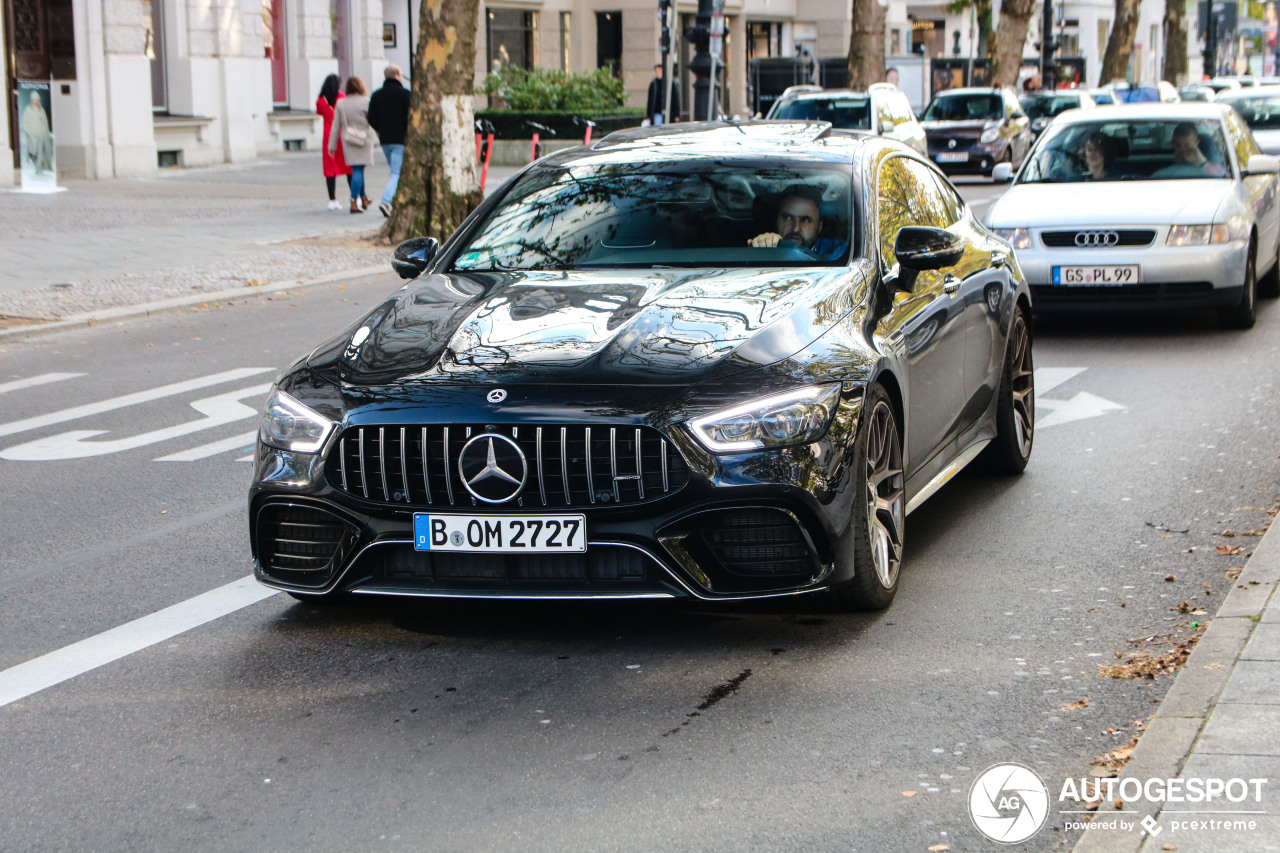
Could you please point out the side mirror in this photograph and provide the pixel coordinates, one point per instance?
(920, 248)
(1262, 164)
(411, 257)
(1002, 173)
(886, 126)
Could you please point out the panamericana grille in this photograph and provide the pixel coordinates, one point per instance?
(1125, 238)
(301, 544)
(568, 466)
(757, 543)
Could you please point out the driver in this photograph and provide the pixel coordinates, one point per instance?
(798, 225)
(1188, 160)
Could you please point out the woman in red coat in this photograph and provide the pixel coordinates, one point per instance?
(334, 164)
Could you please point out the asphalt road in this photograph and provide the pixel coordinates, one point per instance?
(457, 726)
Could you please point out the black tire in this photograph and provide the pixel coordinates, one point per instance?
(1009, 451)
(1244, 315)
(1269, 284)
(879, 515)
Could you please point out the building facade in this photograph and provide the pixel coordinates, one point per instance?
(141, 84)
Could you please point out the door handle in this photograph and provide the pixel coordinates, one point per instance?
(950, 284)
(999, 259)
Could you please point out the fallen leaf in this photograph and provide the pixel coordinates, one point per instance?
(1169, 578)
(1078, 705)
(1229, 549)
(938, 848)
(1183, 607)
(1253, 583)
(1119, 804)
(1167, 847)
(1213, 666)
(909, 793)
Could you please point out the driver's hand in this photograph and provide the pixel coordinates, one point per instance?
(767, 240)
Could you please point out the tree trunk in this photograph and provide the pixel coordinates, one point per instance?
(1175, 41)
(1007, 41)
(439, 186)
(1115, 62)
(866, 44)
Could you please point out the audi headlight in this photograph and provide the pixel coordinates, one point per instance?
(1198, 235)
(1019, 238)
(991, 134)
(290, 425)
(796, 417)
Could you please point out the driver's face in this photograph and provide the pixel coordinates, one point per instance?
(1186, 148)
(798, 221)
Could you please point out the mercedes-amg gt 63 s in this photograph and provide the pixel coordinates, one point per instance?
(705, 361)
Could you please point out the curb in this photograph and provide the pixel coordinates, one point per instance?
(146, 309)
(1172, 734)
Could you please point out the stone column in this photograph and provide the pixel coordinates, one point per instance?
(6, 153)
(367, 56)
(128, 78)
(311, 56)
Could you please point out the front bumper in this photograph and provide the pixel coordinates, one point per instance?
(757, 525)
(979, 158)
(1170, 277)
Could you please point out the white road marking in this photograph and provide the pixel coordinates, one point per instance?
(32, 382)
(130, 399)
(1083, 405)
(213, 448)
(18, 682)
(219, 410)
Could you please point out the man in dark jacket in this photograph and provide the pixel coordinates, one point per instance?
(658, 99)
(389, 116)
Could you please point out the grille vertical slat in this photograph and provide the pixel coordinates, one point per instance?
(420, 470)
(542, 486)
(591, 481)
(426, 477)
(639, 465)
(448, 479)
(364, 474)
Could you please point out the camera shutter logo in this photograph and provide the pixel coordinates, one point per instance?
(1008, 803)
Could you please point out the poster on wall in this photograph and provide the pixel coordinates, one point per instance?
(35, 138)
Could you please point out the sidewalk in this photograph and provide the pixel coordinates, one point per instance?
(1220, 720)
(184, 233)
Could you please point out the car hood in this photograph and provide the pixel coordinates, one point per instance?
(1109, 203)
(641, 327)
(1268, 141)
(955, 128)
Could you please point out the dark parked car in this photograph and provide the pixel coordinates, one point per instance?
(1041, 107)
(971, 130)
(676, 364)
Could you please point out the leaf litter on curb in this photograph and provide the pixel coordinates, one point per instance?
(1148, 665)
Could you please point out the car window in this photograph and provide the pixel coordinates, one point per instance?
(1048, 106)
(909, 193)
(1260, 112)
(1163, 149)
(852, 112)
(679, 213)
(967, 107)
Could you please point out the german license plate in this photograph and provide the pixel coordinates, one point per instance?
(953, 157)
(499, 534)
(1105, 276)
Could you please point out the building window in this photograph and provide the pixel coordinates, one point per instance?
(565, 58)
(512, 36)
(929, 37)
(609, 42)
(273, 16)
(62, 41)
(155, 52)
(764, 38)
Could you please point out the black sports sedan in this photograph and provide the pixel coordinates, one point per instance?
(705, 361)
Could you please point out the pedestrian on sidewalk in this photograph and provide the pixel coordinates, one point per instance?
(351, 128)
(389, 116)
(334, 164)
(656, 107)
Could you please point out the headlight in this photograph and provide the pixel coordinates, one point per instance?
(991, 134)
(1198, 235)
(289, 425)
(796, 417)
(1019, 238)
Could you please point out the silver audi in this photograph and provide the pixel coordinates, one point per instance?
(1146, 206)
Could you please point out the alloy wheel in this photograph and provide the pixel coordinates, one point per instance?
(1022, 385)
(885, 497)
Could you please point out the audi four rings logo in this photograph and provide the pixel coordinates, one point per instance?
(497, 395)
(1094, 239)
(493, 468)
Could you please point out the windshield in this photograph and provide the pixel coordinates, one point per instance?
(852, 113)
(1138, 95)
(965, 108)
(1048, 106)
(1260, 112)
(686, 213)
(1129, 151)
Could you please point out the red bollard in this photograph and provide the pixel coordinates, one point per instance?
(484, 171)
(586, 140)
(477, 146)
(535, 147)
